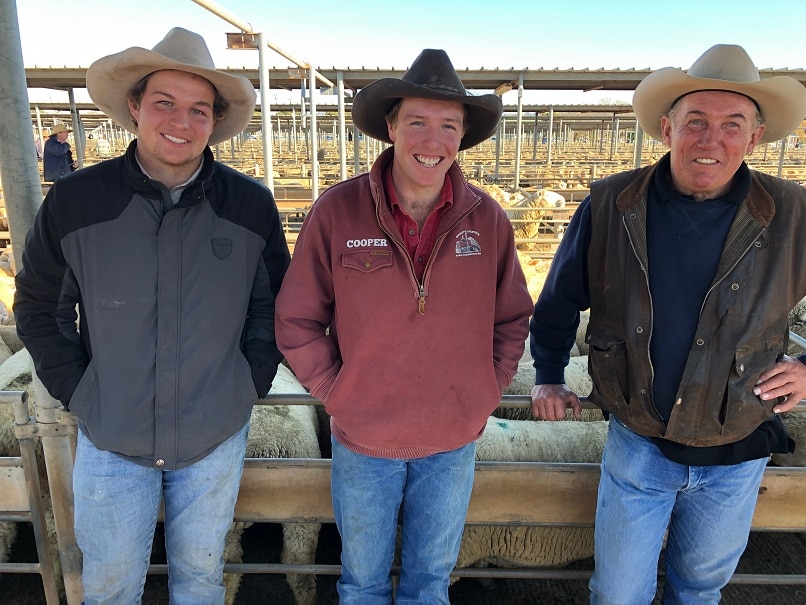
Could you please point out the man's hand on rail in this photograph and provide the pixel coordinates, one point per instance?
(549, 401)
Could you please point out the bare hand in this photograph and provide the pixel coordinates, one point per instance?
(787, 379)
(549, 401)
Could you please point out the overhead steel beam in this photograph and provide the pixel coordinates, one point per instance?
(474, 79)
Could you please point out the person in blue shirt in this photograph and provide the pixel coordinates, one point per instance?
(57, 159)
(689, 268)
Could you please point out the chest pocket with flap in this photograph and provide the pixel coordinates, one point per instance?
(367, 261)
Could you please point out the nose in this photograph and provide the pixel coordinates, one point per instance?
(710, 135)
(179, 120)
(432, 136)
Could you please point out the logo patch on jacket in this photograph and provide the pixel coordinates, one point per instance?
(222, 247)
(466, 244)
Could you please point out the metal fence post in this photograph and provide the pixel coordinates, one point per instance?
(58, 431)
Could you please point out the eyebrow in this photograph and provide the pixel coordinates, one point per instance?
(732, 115)
(423, 117)
(173, 97)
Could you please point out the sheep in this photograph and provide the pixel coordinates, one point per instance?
(532, 211)
(282, 432)
(513, 435)
(8, 447)
(8, 334)
(10, 369)
(582, 329)
(508, 440)
(532, 441)
(15, 375)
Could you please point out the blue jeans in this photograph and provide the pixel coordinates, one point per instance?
(116, 508)
(707, 509)
(367, 496)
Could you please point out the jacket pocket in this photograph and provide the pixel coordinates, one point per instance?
(244, 376)
(86, 392)
(367, 261)
(741, 407)
(607, 360)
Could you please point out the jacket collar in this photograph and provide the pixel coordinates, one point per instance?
(758, 202)
(464, 198)
(145, 186)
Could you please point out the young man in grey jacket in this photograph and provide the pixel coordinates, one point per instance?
(173, 262)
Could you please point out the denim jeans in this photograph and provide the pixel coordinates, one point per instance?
(367, 496)
(707, 509)
(116, 508)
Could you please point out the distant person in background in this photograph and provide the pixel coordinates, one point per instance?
(689, 267)
(57, 159)
(102, 147)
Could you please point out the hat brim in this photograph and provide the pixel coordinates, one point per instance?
(374, 101)
(110, 78)
(781, 99)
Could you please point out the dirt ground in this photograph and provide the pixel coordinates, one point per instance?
(777, 553)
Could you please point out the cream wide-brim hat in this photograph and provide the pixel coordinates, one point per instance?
(781, 99)
(110, 79)
(57, 128)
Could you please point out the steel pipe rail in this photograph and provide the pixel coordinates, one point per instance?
(356, 78)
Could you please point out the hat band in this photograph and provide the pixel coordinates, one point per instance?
(443, 88)
(685, 94)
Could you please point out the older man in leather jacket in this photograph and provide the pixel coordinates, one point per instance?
(689, 268)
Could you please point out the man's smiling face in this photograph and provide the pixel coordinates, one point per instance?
(426, 134)
(709, 133)
(174, 123)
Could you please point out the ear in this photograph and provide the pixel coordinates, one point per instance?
(666, 130)
(390, 129)
(134, 110)
(754, 138)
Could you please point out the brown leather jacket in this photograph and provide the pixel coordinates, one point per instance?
(743, 326)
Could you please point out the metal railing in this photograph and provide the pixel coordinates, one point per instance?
(21, 495)
(267, 479)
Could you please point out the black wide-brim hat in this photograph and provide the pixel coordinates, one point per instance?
(431, 76)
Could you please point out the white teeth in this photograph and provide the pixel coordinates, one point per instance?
(174, 139)
(705, 161)
(427, 161)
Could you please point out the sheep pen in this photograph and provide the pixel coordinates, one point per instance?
(767, 552)
(282, 431)
(275, 432)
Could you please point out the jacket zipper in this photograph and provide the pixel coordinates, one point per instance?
(437, 246)
(421, 300)
(726, 273)
(421, 293)
(645, 271)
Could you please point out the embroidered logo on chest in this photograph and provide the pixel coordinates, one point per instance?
(467, 244)
(222, 247)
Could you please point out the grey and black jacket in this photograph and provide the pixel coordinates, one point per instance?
(175, 339)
